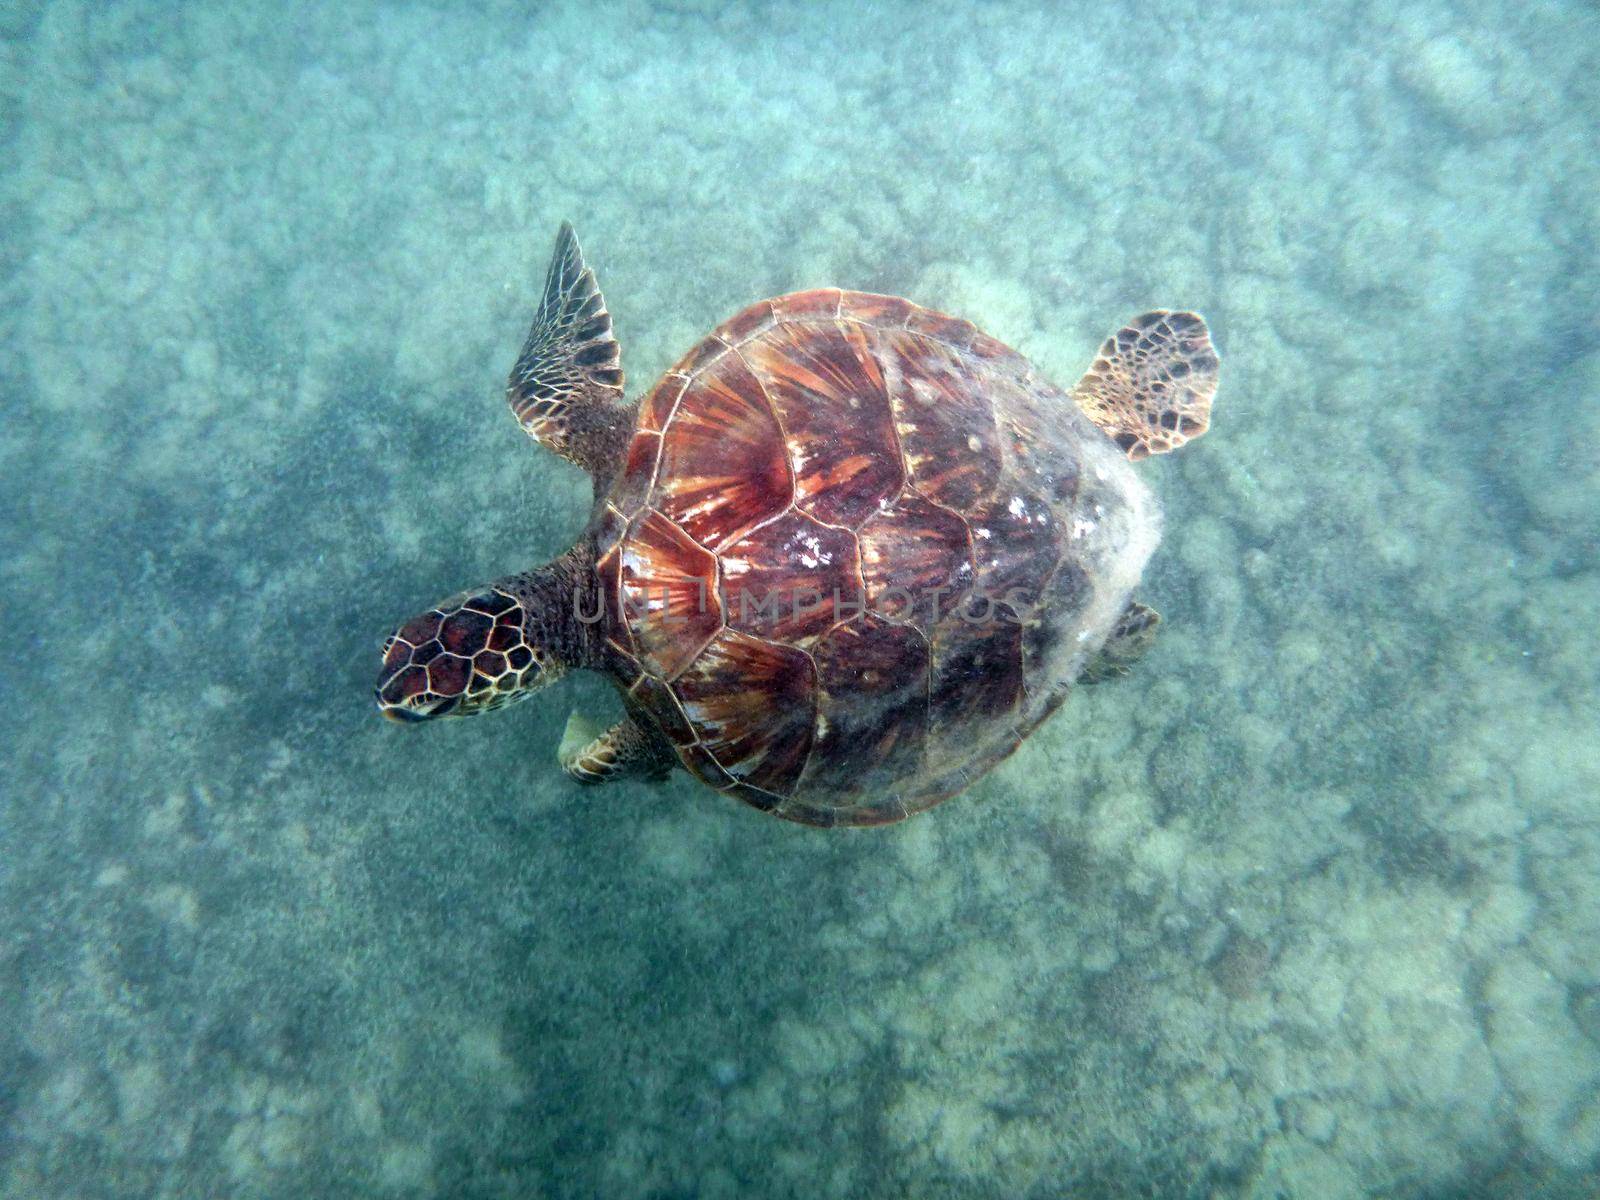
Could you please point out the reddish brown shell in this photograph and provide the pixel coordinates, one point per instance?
(861, 450)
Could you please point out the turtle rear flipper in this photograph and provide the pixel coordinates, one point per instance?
(1131, 637)
(566, 389)
(1150, 387)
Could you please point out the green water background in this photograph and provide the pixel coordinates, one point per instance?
(1308, 906)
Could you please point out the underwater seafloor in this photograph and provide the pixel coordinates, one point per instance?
(1309, 905)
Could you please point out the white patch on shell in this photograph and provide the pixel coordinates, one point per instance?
(812, 555)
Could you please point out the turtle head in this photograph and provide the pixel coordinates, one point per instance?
(468, 654)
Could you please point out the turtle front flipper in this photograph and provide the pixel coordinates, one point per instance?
(1150, 388)
(1131, 637)
(566, 389)
(627, 748)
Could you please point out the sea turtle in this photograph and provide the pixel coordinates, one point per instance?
(843, 557)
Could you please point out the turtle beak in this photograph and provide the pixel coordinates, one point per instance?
(405, 714)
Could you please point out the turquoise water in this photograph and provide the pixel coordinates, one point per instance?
(1306, 906)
